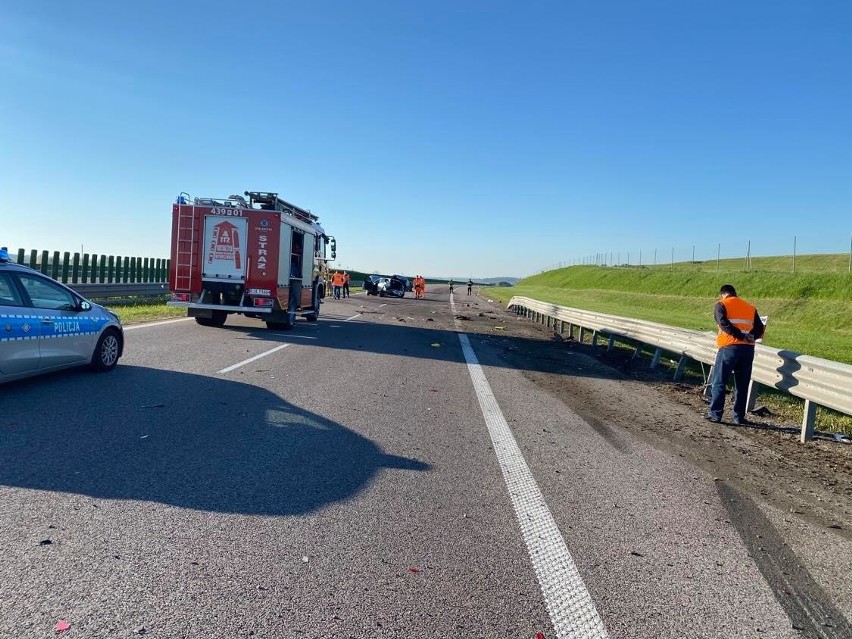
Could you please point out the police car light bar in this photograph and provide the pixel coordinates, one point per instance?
(4, 255)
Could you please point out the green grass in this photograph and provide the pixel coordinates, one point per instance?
(136, 313)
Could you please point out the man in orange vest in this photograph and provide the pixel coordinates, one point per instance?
(337, 283)
(739, 326)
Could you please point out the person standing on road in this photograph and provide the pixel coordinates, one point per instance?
(337, 284)
(419, 287)
(451, 286)
(739, 326)
(345, 283)
(469, 287)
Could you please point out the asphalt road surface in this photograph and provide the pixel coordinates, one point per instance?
(384, 472)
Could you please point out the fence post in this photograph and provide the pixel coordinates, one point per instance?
(66, 257)
(102, 270)
(146, 272)
(20, 256)
(808, 422)
(85, 271)
(75, 268)
(125, 271)
(45, 262)
(33, 259)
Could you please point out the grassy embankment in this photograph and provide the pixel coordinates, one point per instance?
(810, 311)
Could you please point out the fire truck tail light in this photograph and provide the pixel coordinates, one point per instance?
(180, 297)
(262, 301)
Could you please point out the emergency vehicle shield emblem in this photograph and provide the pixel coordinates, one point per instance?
(225, 244)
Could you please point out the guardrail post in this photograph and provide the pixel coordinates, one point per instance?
(679, 370)
(808, 421)
(582, 333)
(610, 343)
(753, 388)
(561, 326)
(655, 359)
(570, 330)
(594, 338)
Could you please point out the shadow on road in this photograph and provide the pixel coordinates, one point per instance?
(186, 440)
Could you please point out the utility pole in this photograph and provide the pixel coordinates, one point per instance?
(718, 254)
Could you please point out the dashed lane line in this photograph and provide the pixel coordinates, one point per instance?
(252, 359)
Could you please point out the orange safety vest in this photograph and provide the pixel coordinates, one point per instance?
(741, 314)
(337, 280)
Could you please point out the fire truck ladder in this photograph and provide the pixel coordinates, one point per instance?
(186, 249)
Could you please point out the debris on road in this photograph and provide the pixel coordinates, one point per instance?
(62, 626)
(414, 569)
(45, 542)
(436, 345)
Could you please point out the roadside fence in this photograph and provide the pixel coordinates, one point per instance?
(820, 382)
(93, 268)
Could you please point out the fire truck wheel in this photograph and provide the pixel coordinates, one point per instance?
(106, 352)
(218, 319)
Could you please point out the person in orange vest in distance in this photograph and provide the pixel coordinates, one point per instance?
(345, 283)
(739, 326)
(419, 287)
(337, 283)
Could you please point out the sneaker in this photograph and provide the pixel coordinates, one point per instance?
(741, 422)
(710, 418)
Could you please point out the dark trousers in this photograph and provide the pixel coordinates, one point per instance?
(346, 290)
(736, 359)
(336, 292)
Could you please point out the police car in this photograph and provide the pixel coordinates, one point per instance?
(45, 326)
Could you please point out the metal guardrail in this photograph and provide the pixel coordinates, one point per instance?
(820, 382)
(97, 292)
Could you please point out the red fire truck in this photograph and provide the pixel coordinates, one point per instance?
(256, 255)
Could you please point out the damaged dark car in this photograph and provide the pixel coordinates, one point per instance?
(384, 286)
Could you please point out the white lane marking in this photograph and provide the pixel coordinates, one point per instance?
(352, 318)
(252, 359)
(291, 336)
(173, 321)
(380, 305)
(569, 603)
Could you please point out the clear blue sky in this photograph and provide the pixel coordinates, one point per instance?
(447, 138)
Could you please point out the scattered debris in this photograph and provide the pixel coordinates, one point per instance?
(436, 345)
(305, 559)
(429, 319)
(152, 406)
(414, 569)
(462, 317)
(636, 554)
(143, 436)
(45, 542)
(499, 328)
(840, 437)
(62, 626)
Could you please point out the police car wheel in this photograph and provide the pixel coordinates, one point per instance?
(106, 352)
